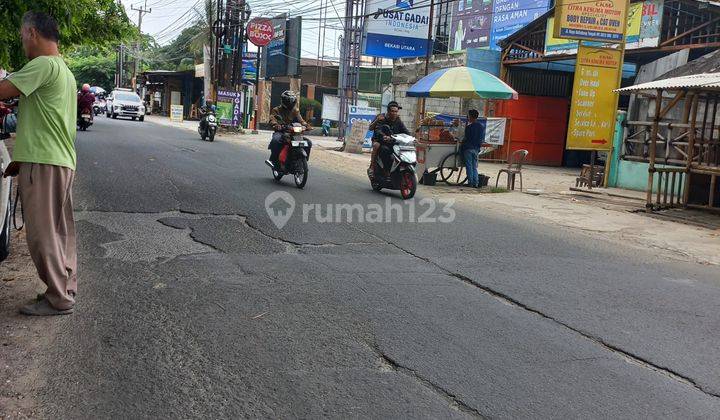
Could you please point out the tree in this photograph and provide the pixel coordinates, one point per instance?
(95, 66)
(82, 22)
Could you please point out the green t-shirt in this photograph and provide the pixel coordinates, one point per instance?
(47, 114)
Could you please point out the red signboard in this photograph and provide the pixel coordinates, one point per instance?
(260, 31)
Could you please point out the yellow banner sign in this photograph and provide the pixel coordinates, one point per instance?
(594, 104)
(603, 21)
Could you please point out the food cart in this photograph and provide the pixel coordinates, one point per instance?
(439, 136)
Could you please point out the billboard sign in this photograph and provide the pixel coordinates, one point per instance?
(643, 30)
(509, 16)
(602, 21)
(275, 50)
(593, 105)
(396, 29)
(484, 23)
(229, 107)
(470, 27)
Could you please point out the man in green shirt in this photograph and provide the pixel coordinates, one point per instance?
(44, 161)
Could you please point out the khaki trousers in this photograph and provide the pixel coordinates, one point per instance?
(46, 193)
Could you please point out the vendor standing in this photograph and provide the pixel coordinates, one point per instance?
(470, 148)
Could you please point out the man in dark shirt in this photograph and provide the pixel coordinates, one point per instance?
(474, 138)
(392, 119)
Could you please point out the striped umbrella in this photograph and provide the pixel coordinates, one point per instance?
(462, 82)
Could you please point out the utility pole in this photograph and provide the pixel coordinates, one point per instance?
(142, 11)
(119, 65)
(428, 56)
(350, 60)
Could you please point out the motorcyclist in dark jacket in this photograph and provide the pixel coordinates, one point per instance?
(281, 116)
(392, 120)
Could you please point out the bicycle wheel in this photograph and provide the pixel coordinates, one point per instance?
(452, 169)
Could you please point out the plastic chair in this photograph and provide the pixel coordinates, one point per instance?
(514, 168)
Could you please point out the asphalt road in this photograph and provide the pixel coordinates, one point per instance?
(192, 303)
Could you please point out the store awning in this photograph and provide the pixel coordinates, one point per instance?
(704, 81)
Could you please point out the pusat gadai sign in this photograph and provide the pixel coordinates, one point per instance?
(396, 28)
(260, 31)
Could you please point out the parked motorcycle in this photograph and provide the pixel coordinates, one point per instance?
(397, 171)
(85, 119)
(294, 155)
(208, 125)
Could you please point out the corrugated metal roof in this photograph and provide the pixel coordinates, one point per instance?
(704, 81)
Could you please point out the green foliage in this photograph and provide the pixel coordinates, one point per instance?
(82, 22)
(95, 66)
(180, 54)
(306, 104)
(186, 50)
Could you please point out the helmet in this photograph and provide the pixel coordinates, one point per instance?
(288, 99)
(86, 88)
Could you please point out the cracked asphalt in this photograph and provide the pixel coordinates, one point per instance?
(193, 304)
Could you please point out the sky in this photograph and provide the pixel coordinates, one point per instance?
(169, 17)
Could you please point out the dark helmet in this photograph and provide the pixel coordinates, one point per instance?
(393, 104)
(288, 99)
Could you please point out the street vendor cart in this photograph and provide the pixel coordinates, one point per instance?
(439, 136)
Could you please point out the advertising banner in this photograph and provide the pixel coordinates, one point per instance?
(229, 107)
(593, 106)
(362, 113)
(484, 23)
(396, 29)
(495, 131)
(643, 30)
(331, 107)
(603, 21)
(470, 26)
(511, 15)
(275, 50)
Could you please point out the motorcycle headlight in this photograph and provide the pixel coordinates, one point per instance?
(297, 130)
(211, 118)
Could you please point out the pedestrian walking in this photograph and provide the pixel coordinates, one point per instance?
(44, 161)
(474, 138)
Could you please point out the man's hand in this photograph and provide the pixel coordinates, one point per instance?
(12, 170)
(381, 117)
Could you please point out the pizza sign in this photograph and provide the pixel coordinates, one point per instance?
(260, 31)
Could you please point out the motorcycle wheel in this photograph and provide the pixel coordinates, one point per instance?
(408, 185)
(376, 186)
(211, 136)
(301, 176)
